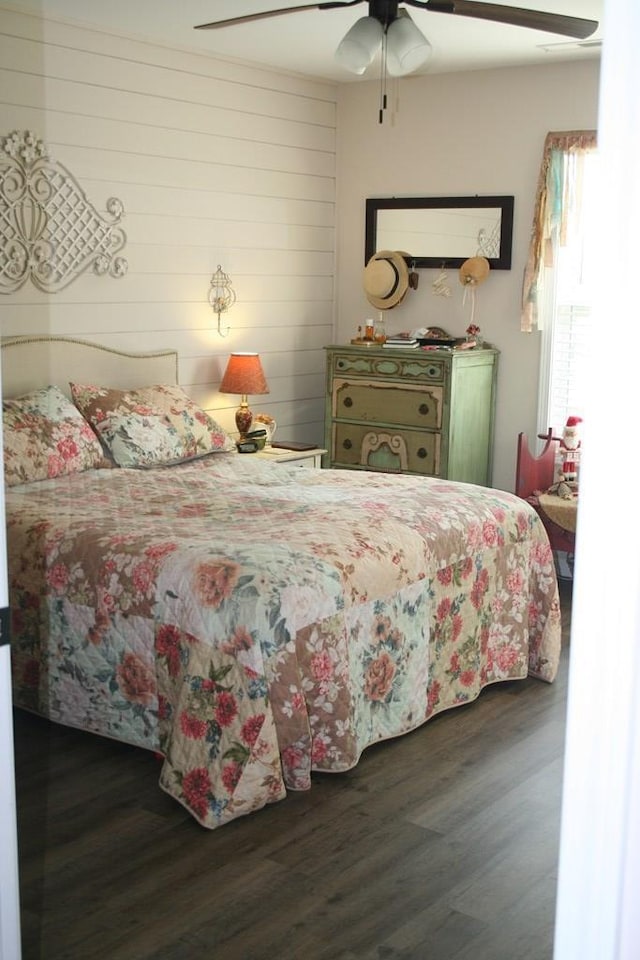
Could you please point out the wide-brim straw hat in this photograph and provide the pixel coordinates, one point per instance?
(474, 271)
(386, 279)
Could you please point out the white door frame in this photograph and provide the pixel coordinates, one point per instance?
(9, 895)
(598, 915)
(9, 901)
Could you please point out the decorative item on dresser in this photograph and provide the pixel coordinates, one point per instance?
(407, 411)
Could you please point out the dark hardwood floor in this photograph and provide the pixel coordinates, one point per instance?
(441, 845)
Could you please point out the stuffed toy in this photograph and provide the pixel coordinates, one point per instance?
(570, 450)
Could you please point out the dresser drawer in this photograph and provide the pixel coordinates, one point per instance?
(394, 403)
(377, 448)
(381, 364)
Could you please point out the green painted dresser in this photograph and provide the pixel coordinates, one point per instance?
(411, 411)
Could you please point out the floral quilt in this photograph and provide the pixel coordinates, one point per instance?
(253, 622)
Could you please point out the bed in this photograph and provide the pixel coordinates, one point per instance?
(250, 622)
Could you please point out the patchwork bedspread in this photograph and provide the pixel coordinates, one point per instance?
(254, 622)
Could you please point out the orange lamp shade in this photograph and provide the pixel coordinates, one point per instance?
(244, 375)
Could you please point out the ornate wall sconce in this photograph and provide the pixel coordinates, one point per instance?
(222, 296)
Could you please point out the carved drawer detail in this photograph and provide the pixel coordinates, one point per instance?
(382, 366)
(358, 445)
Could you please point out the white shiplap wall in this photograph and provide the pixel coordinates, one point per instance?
(215, 162)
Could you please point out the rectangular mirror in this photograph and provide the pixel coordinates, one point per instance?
(437, 231)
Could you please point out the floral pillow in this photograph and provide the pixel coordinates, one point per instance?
(149, 426)
(45, 436)
(197, 426)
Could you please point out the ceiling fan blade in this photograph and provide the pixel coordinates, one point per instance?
(248, 17)
(575, 27)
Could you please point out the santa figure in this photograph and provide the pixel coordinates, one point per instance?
(570, 449)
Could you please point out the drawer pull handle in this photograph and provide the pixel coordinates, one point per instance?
(347, 444)
(348, 402)
(423, 408)
(422, 453)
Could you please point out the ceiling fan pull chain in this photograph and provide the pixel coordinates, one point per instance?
(383, 79)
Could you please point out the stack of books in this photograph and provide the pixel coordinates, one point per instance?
(408, 343)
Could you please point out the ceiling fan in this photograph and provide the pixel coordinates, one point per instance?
(386, 13)
(388, 27)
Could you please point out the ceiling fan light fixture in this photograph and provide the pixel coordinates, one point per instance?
(407, 47)
(360, 44)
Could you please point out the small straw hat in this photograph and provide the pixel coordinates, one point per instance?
(474, 271)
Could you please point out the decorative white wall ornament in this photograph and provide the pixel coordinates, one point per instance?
(49, 230)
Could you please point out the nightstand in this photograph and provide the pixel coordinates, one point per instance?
(296, 458)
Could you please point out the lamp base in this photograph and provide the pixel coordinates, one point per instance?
(244, 419)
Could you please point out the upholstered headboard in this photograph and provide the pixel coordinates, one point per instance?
(29, 363)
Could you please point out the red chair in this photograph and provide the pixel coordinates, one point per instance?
(534, 475)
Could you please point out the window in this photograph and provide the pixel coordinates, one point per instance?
(565, 336)
(567, 385)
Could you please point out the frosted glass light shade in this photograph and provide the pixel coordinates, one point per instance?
(360, 44)
(407, 47)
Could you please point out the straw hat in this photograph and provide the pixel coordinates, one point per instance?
(474, 271)
(386, 279)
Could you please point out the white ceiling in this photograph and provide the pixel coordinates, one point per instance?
(304, 42)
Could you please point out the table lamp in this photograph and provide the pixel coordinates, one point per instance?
(244, 375)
